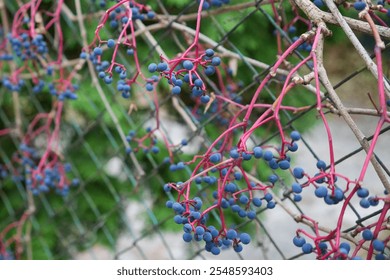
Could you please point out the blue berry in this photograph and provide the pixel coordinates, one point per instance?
(367, 234)
(242, 213)
(251, 215)
(298, 172)
(244, 199)
(257, 152)
(297, 197)
(318, 3)
(187, 228)
(245, 238)
(237, 248)
(321, 165)
(268, 155)
(299, 241)
(215, 61)
(149, 87)
(162, 66)
(198, 83)
(295, 135)
(359, 5)
(215, 158)
(187, 237)
(199, 230)
(97, 51)
(345, 246)
(256, 201)
(296, 188)
(271, 205)
(307, 248)
(321, 191)
(210, 70)
(215, 250)
(188, 65)
(231, 187)
(378, 245)
(362, 192)
(209, 52)
(207, 237)
(284, 165)
(204, 99)
(234, 154)
(152, 67)
(273, 178)
(364, 203)
(231, 234)
(176, 90)
(292, 147)
(111, 43)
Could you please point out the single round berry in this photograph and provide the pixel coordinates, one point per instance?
(256, 201)
(215, 61)
(97, 51)
(296, 188)
(152, 67)
(245, 238)
(321, 165)
(207, 237)
(359, 5)
(162, 66)
(307, 248)
(271, 205)
(364, 203)
(205, 99)
(257, 152)
(215, 251)
(111, 43)
(176, 90)
(321, 191)
(215, 158)
(284, 165)
(299, 241)
(268, 155)
(238, 248)
(295, 135)
(231, 234)
(367, 234)
(188, 65)
(244, 199)
(298, 172)
(209, 52)
(378, 245)
(362, 192)
(199, 230)
(187, 237)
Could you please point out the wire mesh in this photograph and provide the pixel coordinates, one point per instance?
(118, 208)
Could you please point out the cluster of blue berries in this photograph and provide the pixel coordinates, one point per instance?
(120, 15)
(13, 86)
(185, 73)
(344, 249)
(53, 177)
(151, 147)
(195, 229)
(365, 200)
(27, 48)
(232, 196)
(213, 3)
